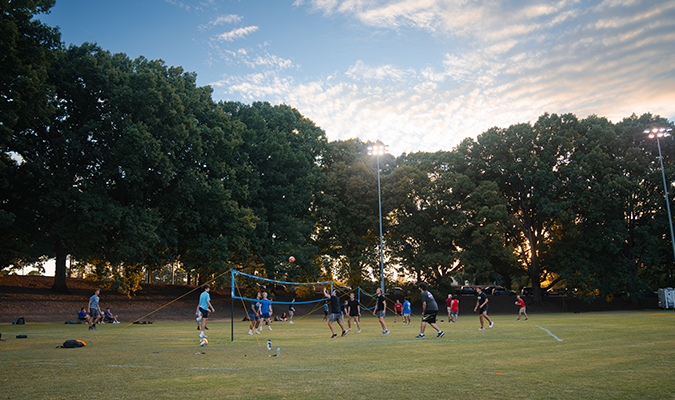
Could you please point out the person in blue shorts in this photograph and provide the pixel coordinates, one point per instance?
(291, 311)
(406, 311)
(204, 307)
(254, 314)
(266, 310)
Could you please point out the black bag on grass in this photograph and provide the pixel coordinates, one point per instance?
(20, 321)
(71, 344)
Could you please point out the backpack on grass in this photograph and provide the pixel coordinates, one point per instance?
(71, 344)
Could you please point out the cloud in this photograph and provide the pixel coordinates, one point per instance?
(237, 33)
(360, 71)
(223, 19)
(515, 61)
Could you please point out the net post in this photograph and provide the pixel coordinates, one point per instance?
(232, 305)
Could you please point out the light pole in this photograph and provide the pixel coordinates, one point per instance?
(659, 133)
(378, 150)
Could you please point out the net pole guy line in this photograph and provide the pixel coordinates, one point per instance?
(233, 296)
(152, 312)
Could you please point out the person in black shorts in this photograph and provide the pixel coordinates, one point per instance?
(482, 306)
(335, 314)
(429, 311)
(354, 311)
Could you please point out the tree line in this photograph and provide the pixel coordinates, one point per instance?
(128, 166)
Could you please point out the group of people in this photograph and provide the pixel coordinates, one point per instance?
(260, 311)
(95, 315)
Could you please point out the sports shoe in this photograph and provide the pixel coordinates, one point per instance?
(518, 319)
(344, 333)
(440, 334)
(385, 332)
(359, 331)
(420, 336)
(202, 334)
(491, 324)
(94, 328)
(334, 336)
(91, 328)
(290, 322)
(257, 331)
(349, 329)
(525, 319)
(481, 329)
(269, 327)
(250, 332)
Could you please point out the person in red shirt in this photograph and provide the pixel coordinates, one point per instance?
(398, 310)
(448, 304)
(521, 304)
(454, 309)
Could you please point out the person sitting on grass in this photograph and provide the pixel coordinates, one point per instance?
(109, 317)
(82, 316)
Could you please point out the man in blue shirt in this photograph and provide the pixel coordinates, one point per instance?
(204, 307)
(266, 310)
(406, 312)
(94, 311)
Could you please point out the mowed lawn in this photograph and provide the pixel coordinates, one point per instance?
(614, 355)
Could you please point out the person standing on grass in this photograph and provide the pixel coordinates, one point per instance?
(204, 307)
(94, 310)
(381, 310)
(398, 310)
(429, 311)
(407, 310)
(335, 315)
(448, 303)
(266, 310)
(291, 311)
(354, 311)
(454, 310)
(521, 304)
(254, 315)
(482, 306)
(325, 311)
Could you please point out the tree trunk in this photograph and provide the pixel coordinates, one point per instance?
(60, 273)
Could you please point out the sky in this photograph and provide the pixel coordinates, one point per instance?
(419, 75)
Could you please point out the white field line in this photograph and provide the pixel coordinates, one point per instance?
(549, 332)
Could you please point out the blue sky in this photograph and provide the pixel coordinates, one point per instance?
(420, 75)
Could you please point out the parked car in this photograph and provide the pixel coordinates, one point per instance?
(527, 291)
(501, 291)
(395, 291)
(556, 292)
(466, 290)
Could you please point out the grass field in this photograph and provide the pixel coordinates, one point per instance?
(620, 355)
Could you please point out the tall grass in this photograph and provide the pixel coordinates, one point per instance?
(597, 356)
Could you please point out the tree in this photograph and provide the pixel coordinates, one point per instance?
(282, 149)
(611, 231)
(26, 53)
(347, 229)
(528, 164)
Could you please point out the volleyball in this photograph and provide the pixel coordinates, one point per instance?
(291, 259)
(203, 342)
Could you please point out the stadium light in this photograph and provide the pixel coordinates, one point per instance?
(378, 150)
(659, 133)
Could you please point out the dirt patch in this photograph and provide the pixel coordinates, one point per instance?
(31, 297)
